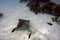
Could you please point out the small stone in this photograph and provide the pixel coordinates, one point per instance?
(1, 14)
(29, 35)
(50, 24)
(13, 29)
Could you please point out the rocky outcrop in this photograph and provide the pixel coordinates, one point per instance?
(48, 7)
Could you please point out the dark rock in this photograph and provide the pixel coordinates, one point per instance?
(50, 3)
(49, 7)
(52, 8)
(50, 24)
(13, 29)
(57, 11)
(29, 35)
(1, 14)
(43, 1)
(34, 6)
(23, 1)
(43, 10)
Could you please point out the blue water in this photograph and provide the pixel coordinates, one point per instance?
(8, 4)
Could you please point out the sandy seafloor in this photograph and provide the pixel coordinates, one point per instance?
(13, 10)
